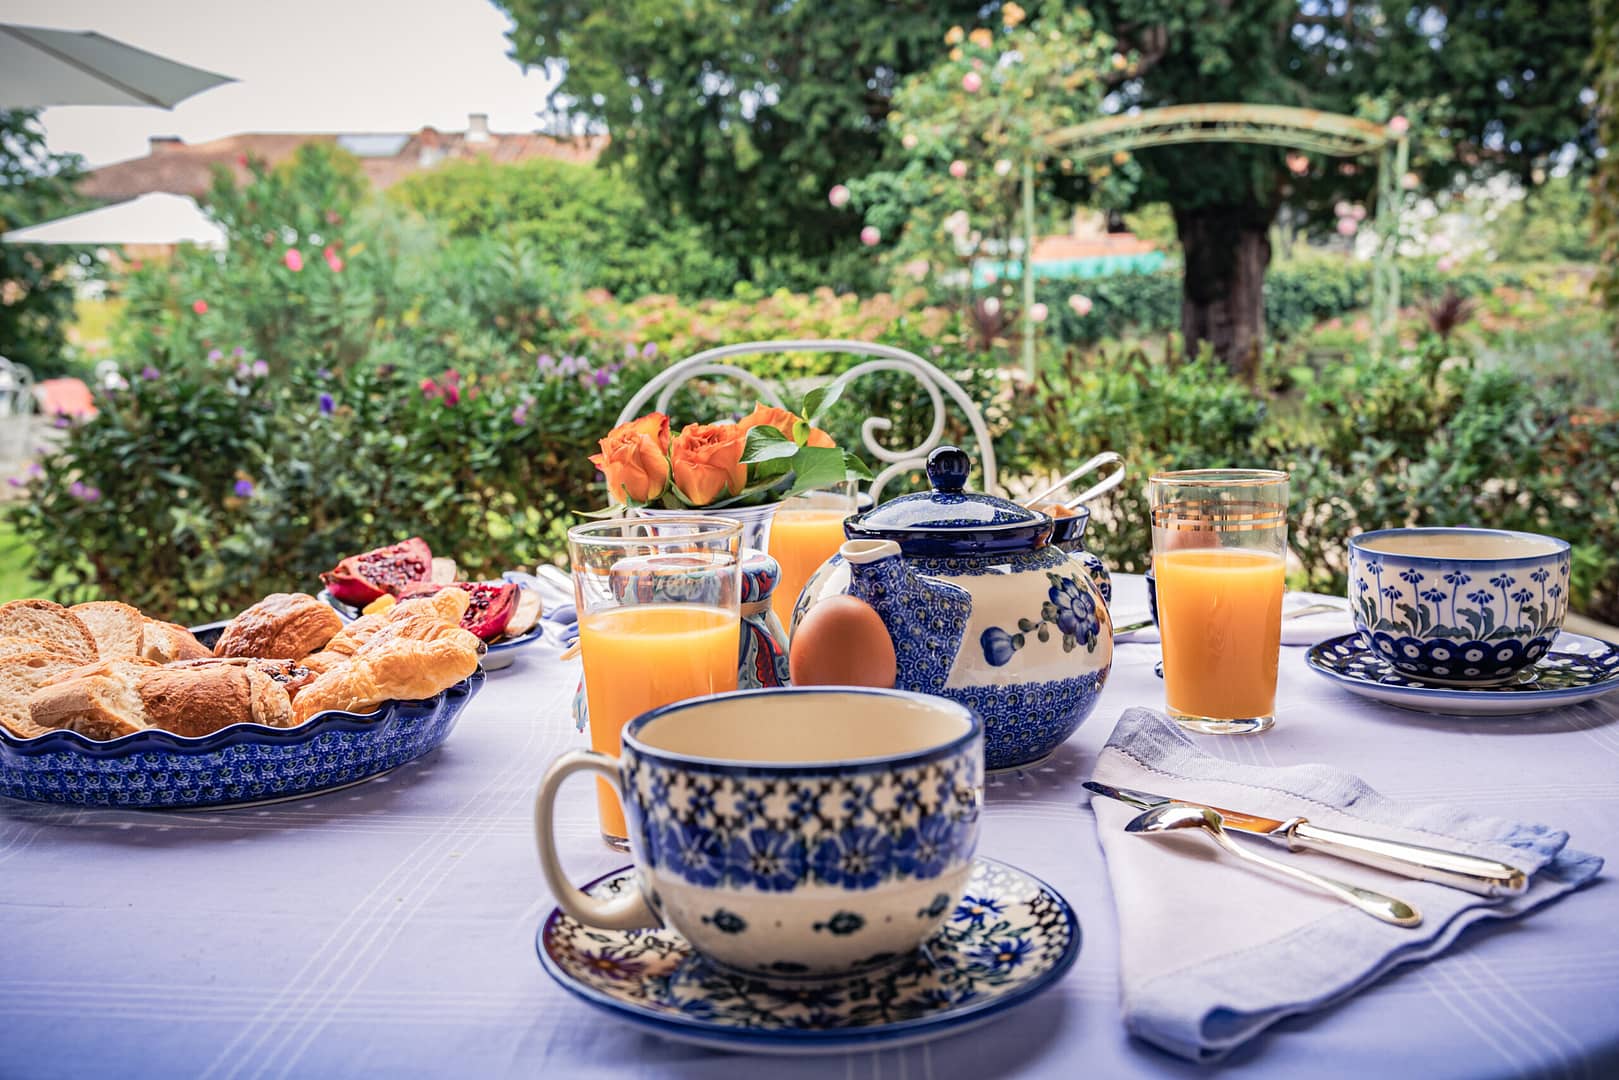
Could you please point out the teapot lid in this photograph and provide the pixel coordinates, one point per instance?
(949, 521)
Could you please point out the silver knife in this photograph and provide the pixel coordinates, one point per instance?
(1484, 877)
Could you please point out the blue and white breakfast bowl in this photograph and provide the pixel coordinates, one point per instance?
(1458, 607)
(788, 832)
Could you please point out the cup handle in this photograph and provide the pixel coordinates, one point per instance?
(620, 913)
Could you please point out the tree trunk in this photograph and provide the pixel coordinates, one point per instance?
(1226, 249)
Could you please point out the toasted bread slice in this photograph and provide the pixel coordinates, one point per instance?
(20, 676)
(52, 623)
(119, 630)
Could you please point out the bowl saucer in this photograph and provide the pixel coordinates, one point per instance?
(1576, 668)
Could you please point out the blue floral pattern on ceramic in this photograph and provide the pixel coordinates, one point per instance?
(1032, 720)
(720, 843)
(776, 834)
(237, 765)
(1576, 668)
(1008, 938)
(1069, 608)
(1458, 621)
(925, 616)
(1068, 533)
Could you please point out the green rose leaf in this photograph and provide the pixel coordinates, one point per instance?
(765, 443)
(820, 399)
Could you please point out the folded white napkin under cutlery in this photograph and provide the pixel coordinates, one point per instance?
(1258, 948)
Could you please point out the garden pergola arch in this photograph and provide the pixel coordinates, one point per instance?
(1311, 130)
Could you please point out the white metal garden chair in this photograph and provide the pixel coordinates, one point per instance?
(660, 391)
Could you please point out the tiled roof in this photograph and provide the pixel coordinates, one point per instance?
(187, 168)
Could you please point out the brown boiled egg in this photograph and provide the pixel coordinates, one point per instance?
(842, 641)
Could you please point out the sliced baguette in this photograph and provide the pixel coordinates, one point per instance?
(50, 622)
(14, 645)
(119, 630)
(20, 676)
(99, 701)
(166, 642)
(118, 697)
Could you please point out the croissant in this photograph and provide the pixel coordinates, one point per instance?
(409, 659)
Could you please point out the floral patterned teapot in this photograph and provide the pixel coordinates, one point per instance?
(981, 608)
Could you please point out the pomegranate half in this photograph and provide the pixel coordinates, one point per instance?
(360, 579)
(493, 604)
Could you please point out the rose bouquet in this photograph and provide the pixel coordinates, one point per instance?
(763, 457)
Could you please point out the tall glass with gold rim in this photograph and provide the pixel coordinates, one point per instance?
(1219, 556)
(659, 622)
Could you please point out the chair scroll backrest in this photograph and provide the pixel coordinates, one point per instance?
(660, 391)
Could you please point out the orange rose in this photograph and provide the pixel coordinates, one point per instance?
(654, 424)
(708, 461)
(635, 460)
(782, 420)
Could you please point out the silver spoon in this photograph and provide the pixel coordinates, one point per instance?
(1172, 816)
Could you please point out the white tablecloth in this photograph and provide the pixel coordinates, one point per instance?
(389, 929)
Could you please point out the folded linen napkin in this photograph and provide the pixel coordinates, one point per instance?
(559, 623)
(1262, 948)
(1304, 630)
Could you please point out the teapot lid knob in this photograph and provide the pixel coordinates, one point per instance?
(948, 467)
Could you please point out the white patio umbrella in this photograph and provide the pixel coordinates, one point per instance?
(40, 67)
(155, 218)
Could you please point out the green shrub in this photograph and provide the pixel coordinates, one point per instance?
(1368, 443)
(1298, 294)
(588, 221)
(192, 494)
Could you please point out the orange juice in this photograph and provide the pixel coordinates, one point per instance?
(1220, 617)
(801, 540)
(638, 658)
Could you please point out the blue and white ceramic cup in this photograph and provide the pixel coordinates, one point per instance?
(788, 832)
(1458, 607)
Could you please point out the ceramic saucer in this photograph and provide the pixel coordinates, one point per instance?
(1011, 937)
(1578, 668)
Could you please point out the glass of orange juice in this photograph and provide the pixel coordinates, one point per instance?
(659, 622)
(1219, 555)
(806, 531)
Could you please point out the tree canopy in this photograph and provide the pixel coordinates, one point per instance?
(738, 115)
(36, 294)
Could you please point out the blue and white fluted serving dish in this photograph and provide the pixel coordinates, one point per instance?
(1576, 668)
(239, 765)
(498, 655)
(1010, 937)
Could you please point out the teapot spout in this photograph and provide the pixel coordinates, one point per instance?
(876, 573)
(908, 602)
